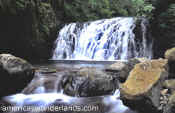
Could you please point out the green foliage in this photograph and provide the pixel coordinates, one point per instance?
(171, 10)
(7, 5)
(143, 8)
(81, 10)
(20, 4)
(86, 10)
(167, 18)
(46, 18)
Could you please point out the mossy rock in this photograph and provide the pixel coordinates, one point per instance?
(170, 54)
(16, 74)
(143, 86)
(169, 84)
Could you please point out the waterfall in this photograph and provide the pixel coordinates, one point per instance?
(107, 39)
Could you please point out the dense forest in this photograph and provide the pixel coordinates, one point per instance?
(122, 65)
(28, 28)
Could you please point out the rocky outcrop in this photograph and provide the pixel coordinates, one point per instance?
(15, 74)
(169, 84)
(28, 28)
(84, 82)
(143, 86)
(170, 54)
(121, 69)
(170, 107)
(89, 82)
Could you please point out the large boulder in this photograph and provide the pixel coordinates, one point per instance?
(15, 74)
(120, 70)
(143, 86)
(89, 82)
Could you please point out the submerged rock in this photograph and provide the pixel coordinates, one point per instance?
(15, 74)
(44, 83)
(142, 89)
(89, 82)
(83, 82)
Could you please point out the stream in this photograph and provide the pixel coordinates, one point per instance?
(36, 98)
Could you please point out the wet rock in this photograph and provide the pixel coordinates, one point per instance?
(97, 87)
(89, 82)
(85, 82)
(164, 99)
(47, 71)
(169, 84)
(170, 54)
(143, 86)
(122, 69)
(170, 107)
(15, 73)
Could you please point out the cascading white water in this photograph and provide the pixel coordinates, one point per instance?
(44, 100)
(108, 39)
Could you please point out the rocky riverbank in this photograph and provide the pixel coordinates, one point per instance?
(15, 73)
(151, 84)
(142, 82)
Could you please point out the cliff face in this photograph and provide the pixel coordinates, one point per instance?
(28, 28)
